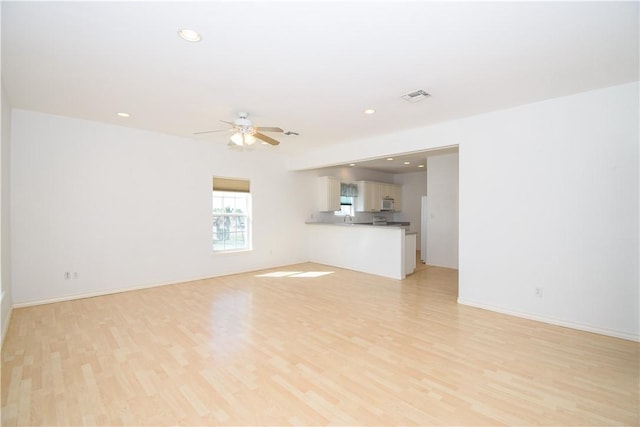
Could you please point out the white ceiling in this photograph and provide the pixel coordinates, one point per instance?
(308, 67)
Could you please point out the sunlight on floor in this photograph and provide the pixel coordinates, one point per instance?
(295, 274)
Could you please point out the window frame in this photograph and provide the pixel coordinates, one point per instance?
(231, 192)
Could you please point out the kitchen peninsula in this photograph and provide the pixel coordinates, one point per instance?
(384, 250)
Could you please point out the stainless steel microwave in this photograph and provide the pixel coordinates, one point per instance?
(387, 204)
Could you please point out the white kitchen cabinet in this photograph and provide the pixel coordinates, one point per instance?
(397, 197)
(386, 190)
(368, 199)
(328, 194)
(370, 195)
(394, 192)
(409, 253)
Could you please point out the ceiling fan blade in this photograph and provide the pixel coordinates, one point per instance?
(211, 131)
(268, 129)
(229, 123)
(266, 138)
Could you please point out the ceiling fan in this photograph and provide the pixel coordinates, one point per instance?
(245, 133)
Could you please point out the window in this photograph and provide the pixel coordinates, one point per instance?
(346, 206)
(348, 193)
(231, 215)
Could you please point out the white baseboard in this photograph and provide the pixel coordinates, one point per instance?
(554, 321)
(5, 322)
(5, 325)
(100, 293)
(136, 288)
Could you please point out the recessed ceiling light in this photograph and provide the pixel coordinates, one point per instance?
(189, 35)
(407, 163)
(369, 111)
(420, 166)
(352, 164)
(389, 158)
(123, 114)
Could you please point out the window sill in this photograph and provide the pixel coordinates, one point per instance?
(231, 251)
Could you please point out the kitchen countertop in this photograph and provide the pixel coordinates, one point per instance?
(394, 224)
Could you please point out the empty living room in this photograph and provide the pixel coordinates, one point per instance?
(372, 213)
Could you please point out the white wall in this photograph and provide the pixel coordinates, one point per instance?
(5, 222)
(442, 210)
(126, 208)
(414, 186)
(548, 197)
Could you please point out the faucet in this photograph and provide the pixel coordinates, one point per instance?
(350, 218)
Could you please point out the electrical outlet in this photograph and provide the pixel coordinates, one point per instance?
(538, 291)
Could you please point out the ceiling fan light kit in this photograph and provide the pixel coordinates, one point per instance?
(243, 138)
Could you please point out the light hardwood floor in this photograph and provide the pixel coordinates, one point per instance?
(343, 348)
(419, 265)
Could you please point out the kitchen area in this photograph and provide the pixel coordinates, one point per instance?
(376, 221)
(357, 229)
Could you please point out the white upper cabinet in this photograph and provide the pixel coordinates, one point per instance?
(370, 195)
(396, 194)
(328, 194)
(386, 190)
(368, 199)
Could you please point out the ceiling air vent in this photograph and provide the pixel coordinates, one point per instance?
(416, 96)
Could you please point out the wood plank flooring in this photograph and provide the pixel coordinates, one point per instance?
(277, 348)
